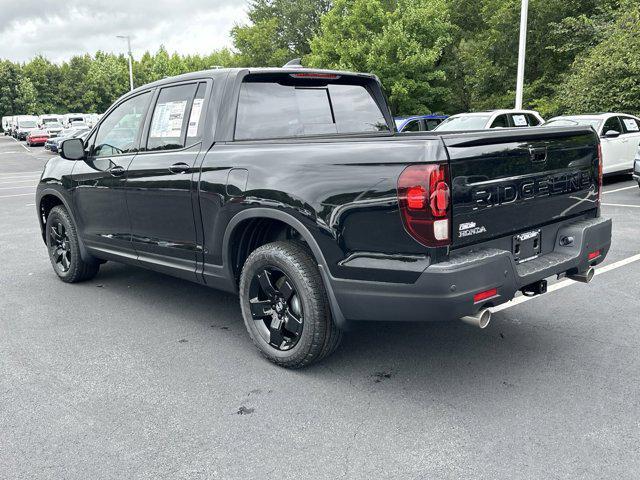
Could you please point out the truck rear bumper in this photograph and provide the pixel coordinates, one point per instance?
(446, 290)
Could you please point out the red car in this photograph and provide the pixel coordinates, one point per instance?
(37, 137)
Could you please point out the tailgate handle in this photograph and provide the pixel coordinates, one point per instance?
(538, 154)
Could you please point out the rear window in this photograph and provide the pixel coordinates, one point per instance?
(274, 110)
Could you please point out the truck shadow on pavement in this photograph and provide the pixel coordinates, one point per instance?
(413, 356)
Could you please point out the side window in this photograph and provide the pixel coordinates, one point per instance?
(519, 120)
(630, 125)
(194, 128)
(612, 124)
(500, 122)
(533, 120)
(432, 123)
(169, 121)
(412, 126)
(118, 132)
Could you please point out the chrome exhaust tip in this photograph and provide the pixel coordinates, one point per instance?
(584, 277)
(480, 319)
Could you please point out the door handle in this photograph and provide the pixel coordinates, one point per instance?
(179, 168)
(116, 171)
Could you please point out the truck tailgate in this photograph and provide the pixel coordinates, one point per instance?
(511, 181)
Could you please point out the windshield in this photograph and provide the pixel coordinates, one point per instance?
(567, 122)
(53, 124)
(463, 122)
(27, 124)
(49, 121)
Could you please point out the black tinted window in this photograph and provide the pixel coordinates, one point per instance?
(433, 123)
(612, 124)
(412, 126)
(533, 120)
(118, 131)
(500, 122)
(169, 121)
(272, 110)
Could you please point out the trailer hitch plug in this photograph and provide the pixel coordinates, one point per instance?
(537, 288)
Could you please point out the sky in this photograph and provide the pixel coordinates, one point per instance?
(61, 29)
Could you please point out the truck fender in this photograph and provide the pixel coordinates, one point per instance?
(86, 256)
(260, 212)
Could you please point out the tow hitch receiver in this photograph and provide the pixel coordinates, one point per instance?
(537, 288)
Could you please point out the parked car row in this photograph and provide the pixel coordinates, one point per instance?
(49, 129)
(18, 126)
(619, 133)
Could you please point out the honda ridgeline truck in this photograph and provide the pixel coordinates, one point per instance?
(292, 188)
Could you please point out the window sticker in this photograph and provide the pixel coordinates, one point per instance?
(167, 119)
(194, 118)
(631, 125)
(519, 120)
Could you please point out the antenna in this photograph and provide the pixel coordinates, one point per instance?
(295, 63)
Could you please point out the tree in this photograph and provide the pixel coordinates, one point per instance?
(279, 30)
(106, 80)
(26, 96)
(9, 78)
(607, 77)
(402, 42)
(44, 76)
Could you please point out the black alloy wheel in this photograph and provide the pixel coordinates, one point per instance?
(285, 306)
(59, 247)
(63, 246)
(276, 307)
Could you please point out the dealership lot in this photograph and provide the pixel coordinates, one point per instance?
(138, 375)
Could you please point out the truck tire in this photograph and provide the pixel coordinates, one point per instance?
(64, 248)
(285, 307)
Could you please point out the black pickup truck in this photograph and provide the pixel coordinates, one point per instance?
(292, 188)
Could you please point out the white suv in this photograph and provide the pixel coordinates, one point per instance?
(619, 134)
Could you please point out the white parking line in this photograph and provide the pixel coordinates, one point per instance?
(34, 179)
(17, 186)
(18, 195)
(23, 173)
(566, 282)
(619, 189)
(620, 205)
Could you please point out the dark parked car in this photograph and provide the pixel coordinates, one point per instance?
(53, 144)
(419, 123)
(290, 188)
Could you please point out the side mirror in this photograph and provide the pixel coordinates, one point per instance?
(72, 149)
(611, 134)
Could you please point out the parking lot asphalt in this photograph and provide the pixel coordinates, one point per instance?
(139, 375)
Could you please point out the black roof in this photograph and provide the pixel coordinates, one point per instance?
(223, 72)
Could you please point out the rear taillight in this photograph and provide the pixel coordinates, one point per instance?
(425, 203)
(599, 173)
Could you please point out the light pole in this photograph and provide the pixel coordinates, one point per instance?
(128, 38)
(522, 53)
